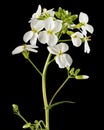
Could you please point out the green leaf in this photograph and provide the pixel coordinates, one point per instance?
(58, 103)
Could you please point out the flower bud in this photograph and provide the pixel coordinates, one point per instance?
(81, 77)
(15, 108)
(26, 125)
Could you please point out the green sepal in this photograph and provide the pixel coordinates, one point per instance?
(25, 54)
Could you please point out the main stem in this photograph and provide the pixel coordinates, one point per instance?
(44, 92)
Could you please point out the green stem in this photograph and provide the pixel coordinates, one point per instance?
(35, 66)
(65, 40)
(22, 118)
(44, 91)
(58, 90)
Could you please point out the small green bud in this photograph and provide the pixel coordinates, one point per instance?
(26, 125)
(77, 72)
(15, 108)
(72, 71)
(69, 33)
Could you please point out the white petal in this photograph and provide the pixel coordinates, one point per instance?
(86, 47)
(37, 24)
(17, 50)
(27, 36)
(43, 37)
(63, 60)
(49, 23)
(53, 49)
(89, 28)
(51, 12)
(32, 50)
(68, 60)
(83, 18)
(31, 46)
(59, 61)
(78, 34)
(56, 49)
(52, 39)
(84, 31)
(76, 38)
(76, 42)
(57, 26)
(34, 39)
(38, 12)
(64, 47)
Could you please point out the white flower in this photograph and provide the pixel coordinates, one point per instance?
(83, 18)
(49, 35)
(24, 47)
(37, 13)
(76, 38)
(32, 35)
(50, 12)
(86, 46)
(62, 59)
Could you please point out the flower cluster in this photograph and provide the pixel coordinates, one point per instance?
(47, 27)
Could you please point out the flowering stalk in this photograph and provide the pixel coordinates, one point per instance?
(47, 27)
(35, 67)
(44, 91)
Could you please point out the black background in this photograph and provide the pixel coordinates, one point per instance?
(21, 85)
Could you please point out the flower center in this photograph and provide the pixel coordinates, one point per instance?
(75, 36)
(24, 46)
(34, 30)
(60, 52)
(50, 32)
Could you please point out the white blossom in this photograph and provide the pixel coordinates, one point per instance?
(37, 14)
(41, 12)
(49, 35)
(86, 46)
(62, 59)
(84, 19)
(50, 12)
(24, 47)
(76, 38)
(32, 35)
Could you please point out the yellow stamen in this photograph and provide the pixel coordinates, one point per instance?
(34, 30)
(49, 31)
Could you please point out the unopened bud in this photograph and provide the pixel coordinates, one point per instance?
(82, 77)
